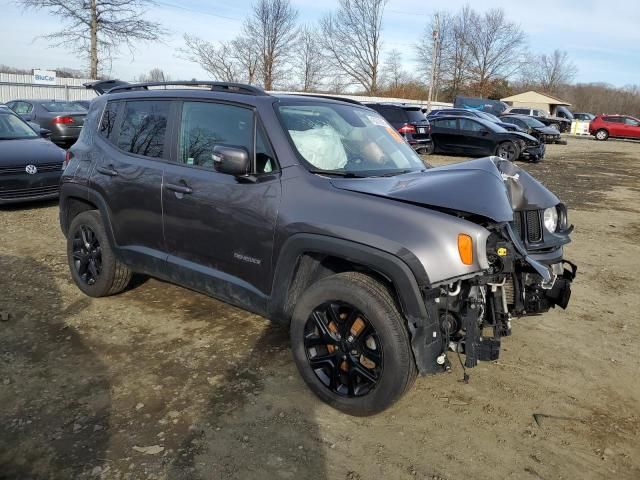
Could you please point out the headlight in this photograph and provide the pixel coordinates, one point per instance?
(551, 219)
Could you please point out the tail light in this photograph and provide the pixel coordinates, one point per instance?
(63, 120)
(407, 128)
(67, 158)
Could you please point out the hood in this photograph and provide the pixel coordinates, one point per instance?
(547, 130)
(490, 187)
(29, 151)
(525, 136)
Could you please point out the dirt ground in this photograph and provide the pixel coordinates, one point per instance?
(164, 383)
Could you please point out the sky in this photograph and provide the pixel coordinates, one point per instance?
(602, 38)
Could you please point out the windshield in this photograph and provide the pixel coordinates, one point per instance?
(12, 127)
(58, 107)
(489, 116)
(530, 122)
(347, 140)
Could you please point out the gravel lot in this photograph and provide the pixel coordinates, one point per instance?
(161, 382)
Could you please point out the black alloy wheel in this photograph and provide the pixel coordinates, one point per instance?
(343, 349)
(87, 254)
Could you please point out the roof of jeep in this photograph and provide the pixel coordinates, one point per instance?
(229, 96)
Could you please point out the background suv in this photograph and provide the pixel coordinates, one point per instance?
(614, 126)
(562, 124)
(409, 121)
(315, 213)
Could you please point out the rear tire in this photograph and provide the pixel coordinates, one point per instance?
(508, 150)
(94, 267)
(602, 135)
(360, 371)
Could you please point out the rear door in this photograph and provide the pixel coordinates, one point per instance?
(219, 229)
(615, 126)
(445, 134)
(130, 155)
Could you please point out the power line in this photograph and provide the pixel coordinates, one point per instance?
(194, 10)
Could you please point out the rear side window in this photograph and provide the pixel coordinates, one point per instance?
(394, 114)
(205, 125)
(470, 125)
(58, 107)
(612, 119)
(143, 129)
(520, 110)
(108, 121)
(21, 108)
(415, 115)
(450, 123)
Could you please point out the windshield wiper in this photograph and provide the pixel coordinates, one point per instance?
(337, 173)
(397, 172)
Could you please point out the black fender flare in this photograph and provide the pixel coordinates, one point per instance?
(421, 315)
(88, 195)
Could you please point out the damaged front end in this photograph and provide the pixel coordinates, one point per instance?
(527, 273)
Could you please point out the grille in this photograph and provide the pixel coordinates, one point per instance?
(43, 167)
(528, 225)
(28, 192)
(534, 226)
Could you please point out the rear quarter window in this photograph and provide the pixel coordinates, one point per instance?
(143, 128)
(449, 123)
(108, 121)
(394, 114)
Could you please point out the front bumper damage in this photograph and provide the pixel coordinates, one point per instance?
(474, 314)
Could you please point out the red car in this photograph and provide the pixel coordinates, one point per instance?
(614, 126)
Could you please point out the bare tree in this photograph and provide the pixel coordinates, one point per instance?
(392, 72)
(96, 29)
(154, 75)
(496, 48)
(452, 55)
(272, 25)
(247, 58)
(550, 72)
(310, 60)
(217, 61)
(352, 38)
(233, 61)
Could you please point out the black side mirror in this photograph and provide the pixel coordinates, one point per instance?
(44, 133)
(231, 160)
(484, 133)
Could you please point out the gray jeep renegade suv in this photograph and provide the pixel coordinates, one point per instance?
(316, 213)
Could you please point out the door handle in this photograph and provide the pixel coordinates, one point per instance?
(178, 188)
(110, 171)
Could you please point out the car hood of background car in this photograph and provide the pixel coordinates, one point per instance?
(29, 151)
(548, 130)
(525, 136)
(490, 187)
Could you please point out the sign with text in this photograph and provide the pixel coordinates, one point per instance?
(44, 77)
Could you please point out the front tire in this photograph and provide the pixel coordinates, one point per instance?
(508, 150)
(94, 267)
(602, 135)
(351, 344)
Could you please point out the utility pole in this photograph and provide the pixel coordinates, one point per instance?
(434, 55)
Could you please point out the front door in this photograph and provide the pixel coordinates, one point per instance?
(219, 228)
(475, 137)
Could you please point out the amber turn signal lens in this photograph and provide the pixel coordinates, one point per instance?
(465, 248)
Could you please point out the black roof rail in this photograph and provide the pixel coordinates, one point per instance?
(330, 97)
(214, 86)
